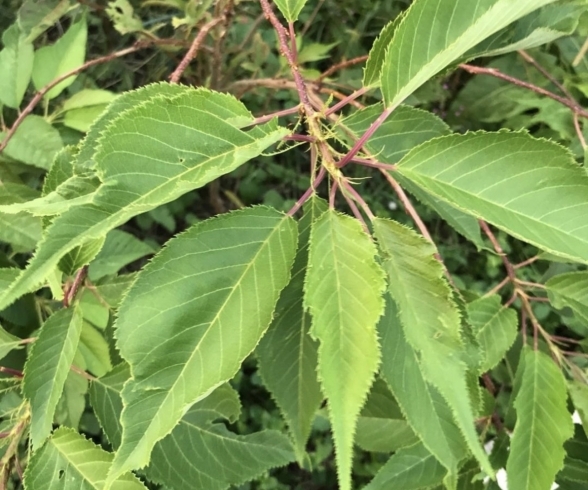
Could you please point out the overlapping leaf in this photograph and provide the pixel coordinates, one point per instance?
(16, 60)
(198, 309)
(430, 320)
(68, 461)
(287, 354)
(435, 33)
(152, 154)
(571, 290)
(532, 189)
(343, 292)
(47, 368)
(19, 230)
(543, 425)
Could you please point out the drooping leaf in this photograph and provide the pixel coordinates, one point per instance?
(209, 444)
(35, 142)
(47, 368)
(435, 33)
(535, 29)
(381, 426)
(200, 307)
(570, 289)
(532, 189)
(67, 53)
(430, 321)
(495, 329)
(543, 425)
(16, 60)
(343, 292)
(287, 354)
(36, 16)
(69, 461)
(411, 468)
(150, 155)
(290, 8)
(425, 410)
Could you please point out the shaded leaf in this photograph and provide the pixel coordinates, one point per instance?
(36, 16)
(20, 230)
(579, 394)
(543, 425)
(8, 342)
(570, 289)
(342, 271)
(16, 60)
(290, 8)
(202, 329)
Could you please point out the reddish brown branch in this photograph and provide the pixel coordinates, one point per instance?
(341, 65)
(70, 294)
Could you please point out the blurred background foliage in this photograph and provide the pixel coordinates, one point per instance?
(240, 56)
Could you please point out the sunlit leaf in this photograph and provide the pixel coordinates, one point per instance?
(16, 60)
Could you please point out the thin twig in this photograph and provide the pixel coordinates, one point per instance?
(41, 93)
(478, 70)
(193, 51)
(341, 65)
(347, 100)
(374, 164)
(579, 132)
(71, 293)
(527, 262)
(529, 59)
(309, 192)
(356, 197)
(82, 373)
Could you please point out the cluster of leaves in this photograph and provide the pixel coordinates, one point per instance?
(354, 321)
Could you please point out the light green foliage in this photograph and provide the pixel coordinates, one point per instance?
(200, 334)
(47, 369)
(151, 155)
(8, 342)
(373, 66)
(290, 8)
(68, 461)
(19, 230)
(16, 60)
(579, 394)
(512, 181)
(287, 354)
(343, 290)
(36, 16)
(123, 17)
(68, 52)
(430, 320)
(543, 425)
(83, 108)
(495, 329)
(444, 31)
(570, 290)
(411, 468)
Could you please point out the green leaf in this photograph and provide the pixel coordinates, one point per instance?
(36, 16)
(111, 291)
(85, 107)
(16, 60)
(68, 53)
(579, 394)
(495, 329)
(430, 320)
(150, 155)
(20, 230)
(72, 404)
(35, 142)
(404, 129)
(543, 425)
(539, 27)
(290, 8)
(47, 368)
(123, 17)
(8, 342)
(537, 191)
(94, 350)
(425, 410)
(70, 462)
(411, 468)
(381, 426)
(287, 354)
(435, 33)
(373, 65)
(569, 290)
(199, 307)
(343, 293)
(574, 470)
(120, 249)
(210, 445)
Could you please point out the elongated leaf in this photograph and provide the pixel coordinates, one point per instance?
(532, 189)
(70, 462)
(434, 33)
(290, 8)
(36, 16)
(570, 290)
(343, 292)
(411, 468)
(151, 155)
(579, 395)
(430, 321)
(404, 129)
(287, 354)
(47, 368)
(21, 231)
(373, 66)
(16, 60)
(199, 308)
(425, 410)
(495, 329)
(68, 52)
(8, 342)
(543, 425)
